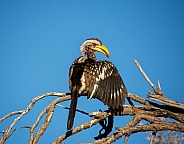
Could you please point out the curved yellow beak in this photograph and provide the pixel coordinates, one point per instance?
(103, 49)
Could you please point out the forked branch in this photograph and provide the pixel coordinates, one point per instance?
(147, 110)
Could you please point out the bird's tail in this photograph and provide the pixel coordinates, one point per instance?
(73, 105)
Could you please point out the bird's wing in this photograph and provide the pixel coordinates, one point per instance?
(104, 83)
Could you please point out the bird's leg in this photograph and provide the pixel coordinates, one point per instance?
(105, 126)
(109, 125)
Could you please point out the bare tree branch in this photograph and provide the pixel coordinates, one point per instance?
(10, 114)
(166, 101)
(6, 133)
(156, 90)
(154, 113)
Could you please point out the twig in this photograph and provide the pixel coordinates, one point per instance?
(152, 137)
(159, 85)
(156, 90)
(77, 110)
(26, 127)
(144, 74)
(11, 132)
(10, 114)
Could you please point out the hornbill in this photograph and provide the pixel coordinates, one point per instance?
(94, 79)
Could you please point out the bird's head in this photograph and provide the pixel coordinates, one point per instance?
(92, 45)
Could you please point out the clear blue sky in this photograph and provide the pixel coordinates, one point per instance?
(40, 39)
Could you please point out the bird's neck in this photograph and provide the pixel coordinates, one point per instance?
(89, 56)
(82, 59)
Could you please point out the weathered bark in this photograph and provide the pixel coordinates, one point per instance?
(155, 113)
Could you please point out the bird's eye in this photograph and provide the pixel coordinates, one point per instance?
(94, 45)
(90, 46)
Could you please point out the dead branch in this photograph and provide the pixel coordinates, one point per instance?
(7, 131)
(152, 112)
(165, 101)
(48, 117)
(84, 126)
(156, 90)
(10, 114)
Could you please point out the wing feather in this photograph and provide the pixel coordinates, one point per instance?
(108, 91)
(111, 89)
(102, 91)
(115, 93)
(112, 93)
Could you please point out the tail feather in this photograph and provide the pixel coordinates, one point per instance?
(73, 105)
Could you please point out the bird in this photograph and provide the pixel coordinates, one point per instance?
(95, 79)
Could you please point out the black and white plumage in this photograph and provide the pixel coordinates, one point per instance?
(94, 79)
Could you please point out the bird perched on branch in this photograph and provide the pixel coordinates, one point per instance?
(94, 79)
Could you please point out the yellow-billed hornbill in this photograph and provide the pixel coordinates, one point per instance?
(95, 79)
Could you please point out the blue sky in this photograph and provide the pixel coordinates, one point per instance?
(40, 39)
